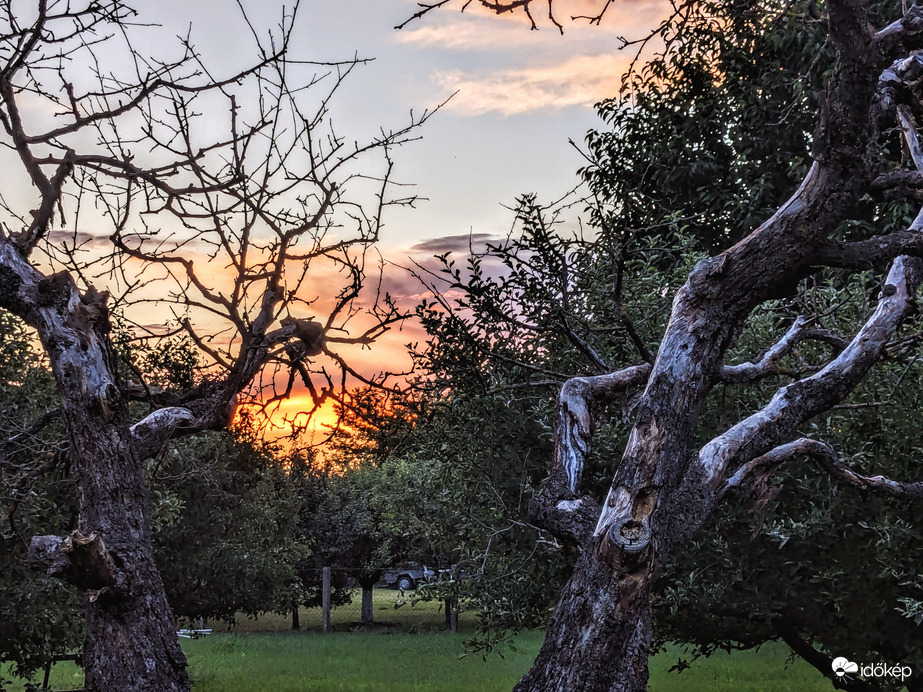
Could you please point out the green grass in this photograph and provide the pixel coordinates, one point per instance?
(364, 662)
(766, 670)
(350, 662)
(406, 652)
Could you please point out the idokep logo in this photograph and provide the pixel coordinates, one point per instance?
(844, 668)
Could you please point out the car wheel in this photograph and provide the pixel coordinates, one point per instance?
(405, 583)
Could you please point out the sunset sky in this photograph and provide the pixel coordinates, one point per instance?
(521, 95)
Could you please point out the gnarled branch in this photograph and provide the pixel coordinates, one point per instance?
(796, 402)
(825, 457)
(82, 561)
(557, 506)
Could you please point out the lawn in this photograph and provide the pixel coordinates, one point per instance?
(406, 652)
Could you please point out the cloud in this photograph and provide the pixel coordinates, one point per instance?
(580, 81)
(455, 243)
(472, 33)
(78, 239)
(499, 66)
(401, 278)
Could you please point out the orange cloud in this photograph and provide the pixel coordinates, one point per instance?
(478, 26)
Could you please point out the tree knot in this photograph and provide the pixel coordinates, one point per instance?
(626, 544)
(310, 336)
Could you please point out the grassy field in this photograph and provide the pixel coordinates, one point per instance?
(406, 652)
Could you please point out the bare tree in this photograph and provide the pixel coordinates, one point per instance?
(228, 205)
(666, 487)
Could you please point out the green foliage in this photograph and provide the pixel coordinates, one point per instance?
(704, 144)
(530, 313)
(223, 511)
(225, 514)
(834, 565)
(717, 130)
(441, 493)
(38, 615)
(718, 133)
(335, 527)
(158, 363)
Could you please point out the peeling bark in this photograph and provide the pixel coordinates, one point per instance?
(79, 560)
(581, 402)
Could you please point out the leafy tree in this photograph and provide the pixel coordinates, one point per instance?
(39, 616)
(223, 509)
(453, 501)
(225, 535)
(346, 535)
(691, 138)
(493, 361)
(323, 512)
(365, 512)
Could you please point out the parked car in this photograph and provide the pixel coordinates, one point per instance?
(406, 579)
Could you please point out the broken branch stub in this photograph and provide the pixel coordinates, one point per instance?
(82, 561)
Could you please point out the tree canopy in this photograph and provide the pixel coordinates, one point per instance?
(780, 140)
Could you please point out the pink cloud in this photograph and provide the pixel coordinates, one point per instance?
(580, 81)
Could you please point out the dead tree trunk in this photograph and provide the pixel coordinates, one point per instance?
(664, 489)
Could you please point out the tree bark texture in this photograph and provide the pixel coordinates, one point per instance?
(131, 636)
(367, 616)
(664, 490)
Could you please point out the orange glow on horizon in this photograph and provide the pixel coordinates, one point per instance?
(284, 418)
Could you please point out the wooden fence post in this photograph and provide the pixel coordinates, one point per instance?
(326, 599)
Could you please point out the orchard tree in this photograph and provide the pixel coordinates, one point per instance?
(215, 196)
(442, 498)
(225, 527)
(670, 482)
(344, 533)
